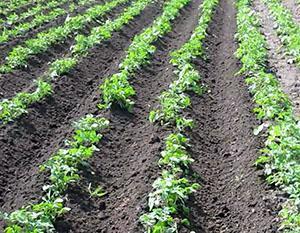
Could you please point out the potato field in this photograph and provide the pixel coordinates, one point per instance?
(150, 116)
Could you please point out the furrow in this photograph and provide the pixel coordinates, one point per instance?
(22, 80)
(233, 197)
(126, 163)
(48, 127)
(280, 62)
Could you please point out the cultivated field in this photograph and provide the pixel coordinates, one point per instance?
(155, 116)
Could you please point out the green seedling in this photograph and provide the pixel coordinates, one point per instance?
(96, 192)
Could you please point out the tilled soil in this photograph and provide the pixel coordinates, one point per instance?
(22, 79)
(279, 62)
(30, 140)
(14, 41)
(127, 160)
(294, 7)
(233, 198)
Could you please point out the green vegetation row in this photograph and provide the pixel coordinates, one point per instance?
(40, 19)
(172, 189)
(117, 89)
(280, 157)
(25, 27)
(63, 167)
(14, 18)
(19, 55)
(6, 8)
(36, 10)
(174, 100)
(288, 29)
(13, 108)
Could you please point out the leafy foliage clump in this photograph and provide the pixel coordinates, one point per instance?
(280, 157)
(117, 89)
(63, 167)
(171, 190)
(13, 108)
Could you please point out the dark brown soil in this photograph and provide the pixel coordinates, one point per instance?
(28, 142)
(21, 79)
(126, 164)
(280, 63)
(30, 18)
(6, 47)
(19, 10)
(127, 169)
(233, 197)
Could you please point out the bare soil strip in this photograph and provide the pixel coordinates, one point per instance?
(280, 63)
(29, 19)
(29, 141)
(126, 164)
(21, 79)
(234, 198)
(294, 7)
(6, 47)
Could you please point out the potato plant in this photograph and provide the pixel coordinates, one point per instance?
(166, 203)
(273, 107)
(64, 168)
(19, 55)
(117, 89)
(288, 29)
(10, 109)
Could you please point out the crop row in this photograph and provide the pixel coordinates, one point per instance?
(288, 29)
(6, 8)
(19, 55)
(117, 89)
(172, 188)
(25, 27)
(13, 108)
(64, 165)
(38, 9)
(280, 157)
